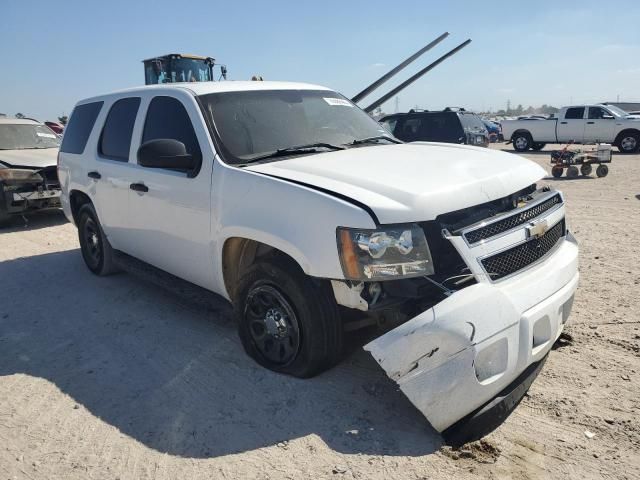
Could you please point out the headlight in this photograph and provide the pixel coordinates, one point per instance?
(389, 252)
(15, 175)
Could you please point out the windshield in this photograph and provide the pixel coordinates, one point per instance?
(18, 137)
(618, 112)
(252, 124)
(176, 70)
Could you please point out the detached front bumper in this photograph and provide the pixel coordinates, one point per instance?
(462, 353)
(14, 201)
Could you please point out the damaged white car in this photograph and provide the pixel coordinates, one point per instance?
(296, 206)
(28, 175)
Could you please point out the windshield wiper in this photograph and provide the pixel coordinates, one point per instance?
(298, 149)
(375, 140)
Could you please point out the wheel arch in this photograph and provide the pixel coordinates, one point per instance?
(77, 199)
(238, 253)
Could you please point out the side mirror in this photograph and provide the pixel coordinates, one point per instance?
(166, 153)
(607, 117)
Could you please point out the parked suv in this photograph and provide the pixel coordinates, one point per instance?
(446, 126)
(302, 211)
(28, 176)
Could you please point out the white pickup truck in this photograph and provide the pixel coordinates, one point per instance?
(303, 212)
(577, 124)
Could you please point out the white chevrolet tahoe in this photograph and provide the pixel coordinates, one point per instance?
(302, 211)
(578, 124)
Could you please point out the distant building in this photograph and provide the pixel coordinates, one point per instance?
(626, 106)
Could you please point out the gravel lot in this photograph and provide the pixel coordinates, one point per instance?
(121, 378)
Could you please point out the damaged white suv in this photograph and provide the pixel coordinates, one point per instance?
(297, 207)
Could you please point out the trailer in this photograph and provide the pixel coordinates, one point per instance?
(585, 158)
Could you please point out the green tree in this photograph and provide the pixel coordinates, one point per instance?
(63, 119)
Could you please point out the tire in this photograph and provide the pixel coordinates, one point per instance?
(287, 322)
(557, 171)
(629, 143)
(572, 172)
(96, 249)
(521, 141)
(602, 171)
(586, 169)
(538, 146)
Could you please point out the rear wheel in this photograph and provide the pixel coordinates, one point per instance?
(538, 146)
(288, 322)
(629, 143)
(96, 249)
(522, 141)
(586, 169)
(602, 171)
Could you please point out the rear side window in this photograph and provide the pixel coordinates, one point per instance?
(115, 140)
(574, 113)
(79, 128)
(167, 118)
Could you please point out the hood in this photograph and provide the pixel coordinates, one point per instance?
(413, 181)
(33, 158)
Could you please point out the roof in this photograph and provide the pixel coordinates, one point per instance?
(17, 121)
(203, 88)
(183, 55)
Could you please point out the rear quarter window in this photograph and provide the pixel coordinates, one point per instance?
(82, 120)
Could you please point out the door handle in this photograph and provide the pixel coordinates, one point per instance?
(139, 187)
(590, 123)
(563, 123)
(94, 175)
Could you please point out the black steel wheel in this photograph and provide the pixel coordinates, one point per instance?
(287, 322)
(602, 171)
(273, 325)
(96, 250)
(586, 169)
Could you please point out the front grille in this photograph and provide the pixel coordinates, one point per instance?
(496, 228)
(516, 258)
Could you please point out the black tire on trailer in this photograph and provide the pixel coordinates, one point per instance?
(557, 171)
(629, 142)
(572, 172)
(602, 171)
(96, 249)
(538, 146)
(287, 321)
(586, 169)
(522, 141)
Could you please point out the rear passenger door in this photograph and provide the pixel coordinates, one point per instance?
(170, 216)
(111, 170)
(571, 127)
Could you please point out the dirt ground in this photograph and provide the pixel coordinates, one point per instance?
(119, 378)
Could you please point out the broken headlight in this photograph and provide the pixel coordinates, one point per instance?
(17, 175)
(383, 254)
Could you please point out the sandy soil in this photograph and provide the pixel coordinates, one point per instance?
(119, 378)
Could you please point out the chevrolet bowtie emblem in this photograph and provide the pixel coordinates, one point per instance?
(537, 229)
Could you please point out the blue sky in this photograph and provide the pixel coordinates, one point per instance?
(55, 53)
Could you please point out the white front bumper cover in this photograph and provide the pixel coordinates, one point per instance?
(457, 356)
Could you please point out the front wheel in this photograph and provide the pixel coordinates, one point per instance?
(522, 142)
(96, 249)
(629, 143)
(557, 171)
(602, 171)
(288, 322)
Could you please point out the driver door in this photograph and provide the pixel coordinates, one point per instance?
(600, 125)
(170, 215)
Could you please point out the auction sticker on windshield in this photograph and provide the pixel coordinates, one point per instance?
(337, 102)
